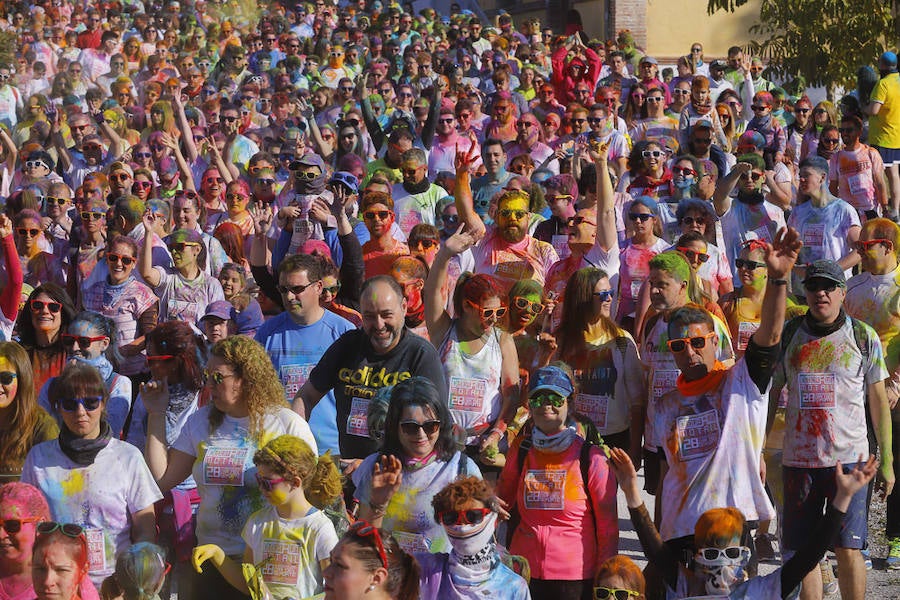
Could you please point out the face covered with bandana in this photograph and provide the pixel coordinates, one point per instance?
(471, 534)
(720, 562)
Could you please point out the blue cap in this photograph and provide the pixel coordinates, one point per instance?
(248, 320)
(221, 309)
(889, 59)
(348, 179)
(552, 379)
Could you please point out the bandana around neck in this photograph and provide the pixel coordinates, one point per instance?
(710, 381)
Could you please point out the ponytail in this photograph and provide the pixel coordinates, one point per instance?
(409, 584)
(323, 486)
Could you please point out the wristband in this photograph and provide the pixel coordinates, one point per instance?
(778, 281)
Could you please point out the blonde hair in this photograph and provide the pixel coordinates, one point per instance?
(288, 455)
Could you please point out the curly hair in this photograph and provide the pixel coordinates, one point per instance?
(261, 388)
(459, 493)
(27, 497)
(288, 455)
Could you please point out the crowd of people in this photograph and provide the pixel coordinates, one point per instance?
(306, 300)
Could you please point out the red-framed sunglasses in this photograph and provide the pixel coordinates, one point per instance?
(366, 529)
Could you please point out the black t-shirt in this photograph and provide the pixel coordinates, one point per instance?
(352, 368)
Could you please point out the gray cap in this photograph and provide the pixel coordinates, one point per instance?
(825, 269)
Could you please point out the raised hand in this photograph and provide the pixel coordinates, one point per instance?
(149, 221)
(387, 475)
(460, 241)
(782, 253)
(6, 226)
(599, 152)
(155, 395)
(464, 160)
(626, 476)
(262, 219)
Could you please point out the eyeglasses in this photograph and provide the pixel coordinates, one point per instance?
(83, 341)
(267, 484)
(7, 377)
(15, 525)
(693, 254)
(382, 215)
(544, 397)
(509, 213)
(743, 263)
(25, 232)
(684, 171)
(214, 377)
(179, 247)
(472, 516)
(754, 175)
(69, 529)
(126, 261)
(91, 216)
(605, 593)
(681, 92)
(71, 404)
(640, 216)
(34, 164)
(578, 220)
(364, 529)
(412, 428)
(864, 246)
(605, 295)
(39, 305)
(295, 289)
(758, 108)
(534, 308)
(488, 313)
(696, 342)
(820, 285)
(731, 552)
(652, 153)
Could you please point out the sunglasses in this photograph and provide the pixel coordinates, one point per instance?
(179, 247)
(15, 525)
(488, 313)
(820, 285)
(684, 171)
(141, 185)
(540, 399)
(830, 140)
(472, 516)
(39, 305)
(295, 289)
(802, 111)
(450, 219)
(578, 220)
(864, 246)
(83, 342)
(693, 254)
(819, 111)
(731, 552)
(126, 261)
(7, 377)
(742, 263)
(333, 289)
(160, 357)
(652, 153)
(34, 164)
(757, 108)
(755, 176)
(382, 215)
(696, 342)
(92, 216)
(412, 428)
(640, 216)
(265, 483)
(364, 529)
(120, 177)
(508, 213)
(605, 295)
(142, 155)
(605, 593)
(25, 232)
(424, 244)
(534, 308)
(235, 196)
(69, 529)
(680, 92)
(72, 404)
(55, 200)
(654, 98)
(579, 120)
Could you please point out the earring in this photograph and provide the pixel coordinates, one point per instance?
(371, 587)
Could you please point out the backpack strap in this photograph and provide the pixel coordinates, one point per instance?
(862, 342)
(584, 461)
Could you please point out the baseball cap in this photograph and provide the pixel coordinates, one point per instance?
(348, 179)
(248, 320)
(826, 269)
(889, 59)
(718, 64)
(552, 379)
(220, 309)
(649, 59)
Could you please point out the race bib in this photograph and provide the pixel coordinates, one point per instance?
(698, 435)
(224, 466)
(594, 407)
(467, 394)
(664, 382)
(293, 377)
(561, 244)
(860, 183)
(515, 270)
(281, 561)
(408, 220)
(745, 332)
(545, 489)
(814, 235)
(358, 422)
(816, 391)
(96, 549)
(412, 542)
(760, 233)
(635, 289)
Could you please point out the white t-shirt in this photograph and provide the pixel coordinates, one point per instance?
(875, 299)
(823, 232)
(743, 222)
(713, 444)
(826, 379)
(225, 473)
(291, 549)
(100, 497)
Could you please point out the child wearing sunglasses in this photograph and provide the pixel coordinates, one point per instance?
(292, 535)
(467, 509)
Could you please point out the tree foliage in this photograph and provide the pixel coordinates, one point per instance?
(824, 41)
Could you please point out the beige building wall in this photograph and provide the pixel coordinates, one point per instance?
(673, 25)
